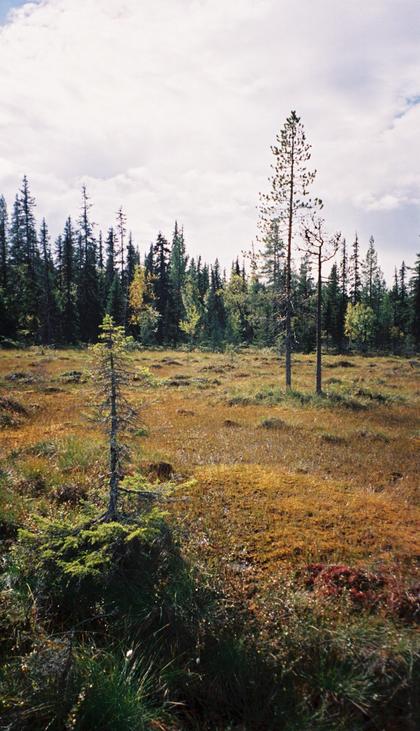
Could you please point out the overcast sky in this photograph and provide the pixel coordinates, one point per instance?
(169, 108)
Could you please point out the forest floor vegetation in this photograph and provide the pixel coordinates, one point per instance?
(270, 584)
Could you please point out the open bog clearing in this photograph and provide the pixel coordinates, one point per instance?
(264, 576)
(278, 482)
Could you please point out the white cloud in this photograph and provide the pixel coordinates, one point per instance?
(169, 108)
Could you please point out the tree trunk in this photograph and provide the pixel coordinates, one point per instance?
(318, 328)
(113, 444)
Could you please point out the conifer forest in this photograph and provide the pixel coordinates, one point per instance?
(57, 292)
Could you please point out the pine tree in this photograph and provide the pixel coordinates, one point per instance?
(286, 202)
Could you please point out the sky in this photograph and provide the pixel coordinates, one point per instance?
(169, 108)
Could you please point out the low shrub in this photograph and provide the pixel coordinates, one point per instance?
(273, 423)
(11, 412)
(365, 589)
(341, 364)
(69, 493)
(73, 377)
(332, 438)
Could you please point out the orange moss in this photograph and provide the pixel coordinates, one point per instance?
(274, 518)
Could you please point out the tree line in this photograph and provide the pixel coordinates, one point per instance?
(59, 293)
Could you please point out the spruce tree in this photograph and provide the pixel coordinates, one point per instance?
(69, 314)
(133, 260)
(24, 264)
(110, 377)
(58, 250)
(7, 314)
(149, 262)
(100, 253)
(121, 257)
(344, 298)
(369, 269)
(272, 269)
(110, 260)
(356, 283)
(415, 303)
(332, 309)
(215, 313)
(176, 280)
(4, 254)
(323, 248)
(31, 292)
(161, 253)
(373, 288)
(115, 304)
(303, 301)
(48, 307)
(403, 304)
(89, 305)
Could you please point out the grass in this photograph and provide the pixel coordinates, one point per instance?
(119, 692)
(264, 483)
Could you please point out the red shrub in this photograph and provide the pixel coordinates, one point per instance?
(340, 580)
(364, 589)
